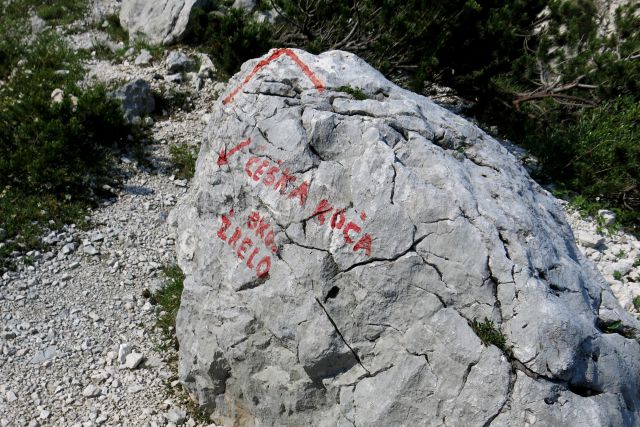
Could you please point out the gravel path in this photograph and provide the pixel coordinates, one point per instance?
(65, 314)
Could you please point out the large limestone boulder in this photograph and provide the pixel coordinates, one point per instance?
(159, 21)
(338, 250)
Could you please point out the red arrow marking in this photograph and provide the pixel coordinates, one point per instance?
(223, 157)
(275, 55)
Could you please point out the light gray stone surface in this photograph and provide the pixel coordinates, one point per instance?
(158, 21)
(326, 332)
(177, 62)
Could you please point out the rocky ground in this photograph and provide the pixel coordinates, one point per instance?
(615, 253)
(78, 339)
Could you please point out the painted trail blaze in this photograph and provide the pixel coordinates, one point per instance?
(223, 157)
(275, 55)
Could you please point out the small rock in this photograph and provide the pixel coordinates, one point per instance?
(207, 68)
(590, 240)
(608, 217)
(176, 416)
(136, 98)
(91, 391)
(174, 78)
(44, 356)
(96, 237)
(123, 351)
(57, 96)
(90, 250)
(144, 58)
(44, 414)
(177, 62)
(11, 396)
(133, 360)
(68, 248)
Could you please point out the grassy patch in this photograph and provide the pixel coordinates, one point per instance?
(168, 298)
(489, 335)
(58, 12)
(156, 51)
(356, 92)
(184, 159)
(115, 30)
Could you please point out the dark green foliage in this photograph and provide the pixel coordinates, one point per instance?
(115, 30)
(617, 275)
(184, 159)
(612, 328)
(54, 157)
(168, 298)
(460, 43)
(636, 303)
(597, 153)
(489, 335)
(230, 36)
(357, 93)
(59, 11)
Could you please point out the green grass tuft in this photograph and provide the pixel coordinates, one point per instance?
(115, 30)
(184, 159)
(489, 335)
(168, 298)
(357, 93)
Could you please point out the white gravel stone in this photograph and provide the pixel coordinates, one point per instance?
(91, 391)
(133, 360)
(176, 416)
(589, 240)
(123, 351)
(11, 396)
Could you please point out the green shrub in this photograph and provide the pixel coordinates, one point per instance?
(489, 335)
(230, 36)
(597, 155)
(168, 298)
(54, 157)
(115, 30)
(184, 159)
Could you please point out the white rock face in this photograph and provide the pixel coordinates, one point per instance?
(158, 21)
(337, 250)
